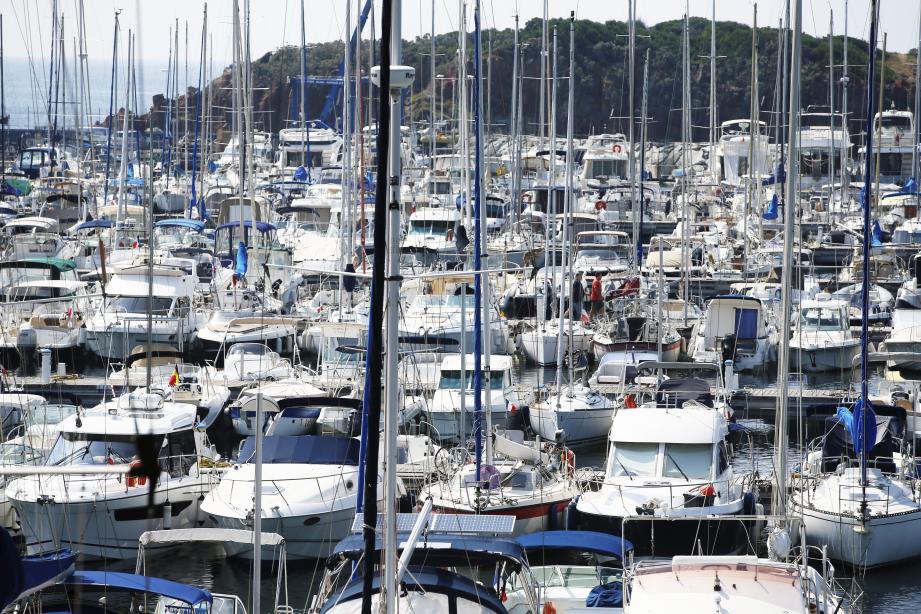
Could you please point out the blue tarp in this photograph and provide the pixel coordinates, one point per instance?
(306, 449)
(584, 541)
(864, 439)
(610, 595)
(108, 580)
(771, 212)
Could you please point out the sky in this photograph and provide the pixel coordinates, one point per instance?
(275, 23)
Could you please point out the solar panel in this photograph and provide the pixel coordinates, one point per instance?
(491, 524)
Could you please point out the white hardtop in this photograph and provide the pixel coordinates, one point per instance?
(601, 237)
(137, 412)
(133, 281)
(16, 399)
(497, 362)
(450, 214)
(824, 303)
(67, 284)
(670, 425)
(46, 224)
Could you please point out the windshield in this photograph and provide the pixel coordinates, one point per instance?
(820, 318)
(440, 187)
(50, 414)
(431, 227)
(606, 168)
(693, 459)
(139, 304)
(602, 254)
(633, 459)
(32, 293)
(252, 349)
(94, 449)
(896, 121)
(451, 380)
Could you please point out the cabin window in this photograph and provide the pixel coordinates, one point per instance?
(890, 164)
(688, 460)
(140, 304)
(722, 459)
(93, 449)
(178, 454)
(608, 168)
(450, 380)
(634, 459)
(431, 227)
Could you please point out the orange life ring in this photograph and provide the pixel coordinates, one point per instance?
(600, 205)
(568, 462)
(630, 401)
(549, 608)
(616, 148)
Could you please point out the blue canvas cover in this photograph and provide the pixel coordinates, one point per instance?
(610, 595)
(746, 323)
(108, 580)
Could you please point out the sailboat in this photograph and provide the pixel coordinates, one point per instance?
(852, 493)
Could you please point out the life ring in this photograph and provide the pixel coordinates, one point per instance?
(616, 148)
(600, 205)
(549, 608)
(568, 462)
(630, 401)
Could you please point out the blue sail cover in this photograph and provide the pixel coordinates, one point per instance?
(864, 438)
(109, 580)
(877, 234)
(25, 575)
(240, 269)
(771, 212)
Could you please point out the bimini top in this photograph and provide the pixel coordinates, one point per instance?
(61, 265)
(426, 580)
(440, 550)
(92, 225)
(581, 541)
(303, 449)
(195, 225)
(260, 226)
(108, 580)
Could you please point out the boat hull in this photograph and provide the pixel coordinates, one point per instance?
(580, 426)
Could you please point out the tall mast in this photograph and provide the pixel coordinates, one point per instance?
(566, 279)
(305, 142)
(3, 118)
(433, 145)
(845, 173)
(481, 280)
(631, 160)
(112, 88)
(915, 135)
(513, 127)
(754, 129)
(789, 210)
(831, 106)
(713, 83)
(544, 60)
(865, 281)
(685, 138)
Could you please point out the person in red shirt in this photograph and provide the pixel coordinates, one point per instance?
(597, 297)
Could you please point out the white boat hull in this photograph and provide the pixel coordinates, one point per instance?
(815, 360)
(572, 427)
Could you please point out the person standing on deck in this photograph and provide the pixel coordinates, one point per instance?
(597, 297)
(577, 298)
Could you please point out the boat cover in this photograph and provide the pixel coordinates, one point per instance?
(108, 580)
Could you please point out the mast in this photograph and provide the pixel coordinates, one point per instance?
(789, 210)
(685, 130)
(544, 60)
(432, 81)
(389, 594)
(831, 106)
(3, 118)
(915, 136)
(480, 280)
(305, 143)
(754, 131)
(345, 229)
(713, 81)
(370, 434)
(631, 160)
(202, 213)
(114, 82)
(845, 173)
(865, 281)
(513, 128)
(879, 141)
(567, 278)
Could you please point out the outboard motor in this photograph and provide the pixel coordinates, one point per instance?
(26, 345)
(728, 347)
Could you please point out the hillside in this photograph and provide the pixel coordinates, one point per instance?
(601, 75)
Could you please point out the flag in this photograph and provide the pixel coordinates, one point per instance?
(174, 378)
